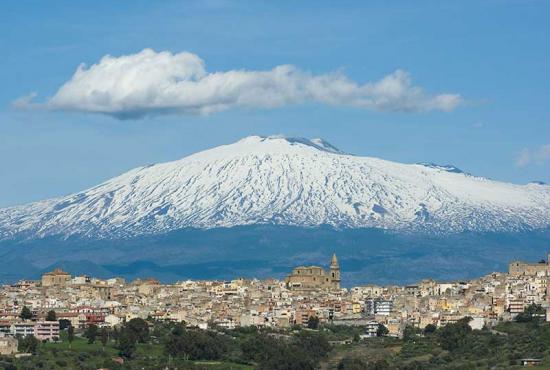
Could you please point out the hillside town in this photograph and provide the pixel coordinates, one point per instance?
(308, 291)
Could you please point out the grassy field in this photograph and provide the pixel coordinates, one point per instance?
(79, 344)
(83, 355)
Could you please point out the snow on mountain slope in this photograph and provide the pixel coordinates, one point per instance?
(288, 181)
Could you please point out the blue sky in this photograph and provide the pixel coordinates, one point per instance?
(494, 54)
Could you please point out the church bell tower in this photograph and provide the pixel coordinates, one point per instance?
(335, 272)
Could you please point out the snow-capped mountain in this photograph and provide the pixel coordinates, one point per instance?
(284, 181)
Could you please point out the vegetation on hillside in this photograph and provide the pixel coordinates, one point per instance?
(141, 344)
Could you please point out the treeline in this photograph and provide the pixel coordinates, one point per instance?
(457, 346)
(153, 344)
(301, 350)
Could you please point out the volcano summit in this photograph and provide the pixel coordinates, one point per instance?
(283, 181)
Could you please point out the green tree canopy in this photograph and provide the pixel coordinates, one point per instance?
(195, 344)
(139, 328)
(28, 344)
(411, 332)
(126, 343)
(454, 336)
(64, 324)
(532, 313)
(104, 336)
(429, 329)
(26, 313)
(91, 333)
(313, 322)
(70, 334)
(382, 330)
(51, 316)
(314, 343)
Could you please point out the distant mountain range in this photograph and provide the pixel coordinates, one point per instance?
(264, 204)
(283, 181)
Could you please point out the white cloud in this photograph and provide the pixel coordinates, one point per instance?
(148, 82)
(24, 101)
(538, 156)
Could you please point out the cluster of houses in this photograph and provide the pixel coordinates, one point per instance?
(308, 291)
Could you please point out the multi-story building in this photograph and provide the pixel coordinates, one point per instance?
(378, 306)
(371, 329)
(22, 329)
(5, 328)
(315, 277)
(56, 277)
(46, 330)
(516, 306)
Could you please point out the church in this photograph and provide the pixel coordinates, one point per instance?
(315, 277)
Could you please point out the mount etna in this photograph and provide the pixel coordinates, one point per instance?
(263, 204)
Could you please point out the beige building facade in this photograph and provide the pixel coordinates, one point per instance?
(8, 346)
(315, 277)
(56, 277)
(520, 268)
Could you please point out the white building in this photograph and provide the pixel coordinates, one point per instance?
(46, 330)
(22, 328)
(371, 329)
(378, 306)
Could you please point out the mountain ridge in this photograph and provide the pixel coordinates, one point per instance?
(283, 181)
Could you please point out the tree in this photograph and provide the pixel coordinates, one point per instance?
(64, 324)
(313, 343)
(259, 347)
(28, 344)
(139, 328)
(313, 322)
(532, 313)
(104, 337)
(70, 335)
(430, 329)
(91, 333)
(126, 343)
(382, 330)
(410, 333)
(288, 359)
(51, 316)
(455, 336)
(7, 365)
(197, 344)
(25, 314)
(115, 335)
